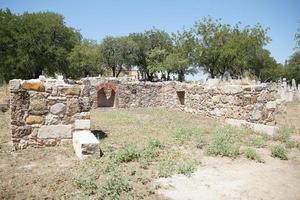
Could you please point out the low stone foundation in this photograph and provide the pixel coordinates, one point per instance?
(43, 111)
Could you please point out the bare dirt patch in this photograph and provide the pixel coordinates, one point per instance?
(224, 178)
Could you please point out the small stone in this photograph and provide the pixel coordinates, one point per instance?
(33, 119)
(33, 84)
(58, 108)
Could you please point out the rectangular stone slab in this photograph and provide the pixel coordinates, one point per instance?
(55, 131)
(85, 144)
(82, 124)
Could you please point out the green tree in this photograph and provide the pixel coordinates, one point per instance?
(151, 48)
(225, 48)
(116, 53)
(181, 60)
(293, 63)
(34, 43)
(84, 60)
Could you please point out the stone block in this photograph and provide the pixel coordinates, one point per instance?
(55, 131)
(33, 84)
(232, 89)
(270, 130)
(58, 108)
(82, 124)
(73, 90)
(261, 128)
(85, 144)
(34, 119)
(14, 84)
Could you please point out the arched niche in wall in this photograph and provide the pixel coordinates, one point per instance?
(107, 95)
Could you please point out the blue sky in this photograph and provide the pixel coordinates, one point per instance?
(97, 19)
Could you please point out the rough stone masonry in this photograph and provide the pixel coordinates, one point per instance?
(44, 110)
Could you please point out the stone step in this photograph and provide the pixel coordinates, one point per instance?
(82, 124)
(260, 128)
(85, 144)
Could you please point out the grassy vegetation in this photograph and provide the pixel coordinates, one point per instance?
(224, 142)
(139, 146)
(253, 155)
(279, 151)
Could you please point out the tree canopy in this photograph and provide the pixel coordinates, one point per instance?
(32, 44)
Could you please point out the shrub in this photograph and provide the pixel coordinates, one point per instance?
(253, 155)
(223, 142)
(128, 153)
(279, 151)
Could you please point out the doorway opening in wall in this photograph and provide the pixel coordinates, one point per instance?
(181, 97)
(106, 97)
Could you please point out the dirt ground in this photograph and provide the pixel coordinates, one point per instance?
(224, 178)
(55, 173)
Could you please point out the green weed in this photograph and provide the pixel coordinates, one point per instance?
(279, 151)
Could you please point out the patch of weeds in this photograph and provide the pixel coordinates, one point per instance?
(115, 186)
(186, 167)
(253, 155)
(200, 142)
(107, 163)
(182, 135)
(85, 183)
(167, 166)
(155, 143)
(128, 153)
(172, 163)
(279, 151)
(283, 135)
(224, 142)
(292, 144)
(257, 142)
(150, 152)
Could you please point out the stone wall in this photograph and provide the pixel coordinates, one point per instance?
(43, 111)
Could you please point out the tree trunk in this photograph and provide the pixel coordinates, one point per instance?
(114, 71)
(119, 72)
(181, 76)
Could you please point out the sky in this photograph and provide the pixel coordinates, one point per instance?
(99, 18)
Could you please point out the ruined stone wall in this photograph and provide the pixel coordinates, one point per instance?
(43, 111)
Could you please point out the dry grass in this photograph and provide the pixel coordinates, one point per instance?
(4, 92)
(139, 146)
